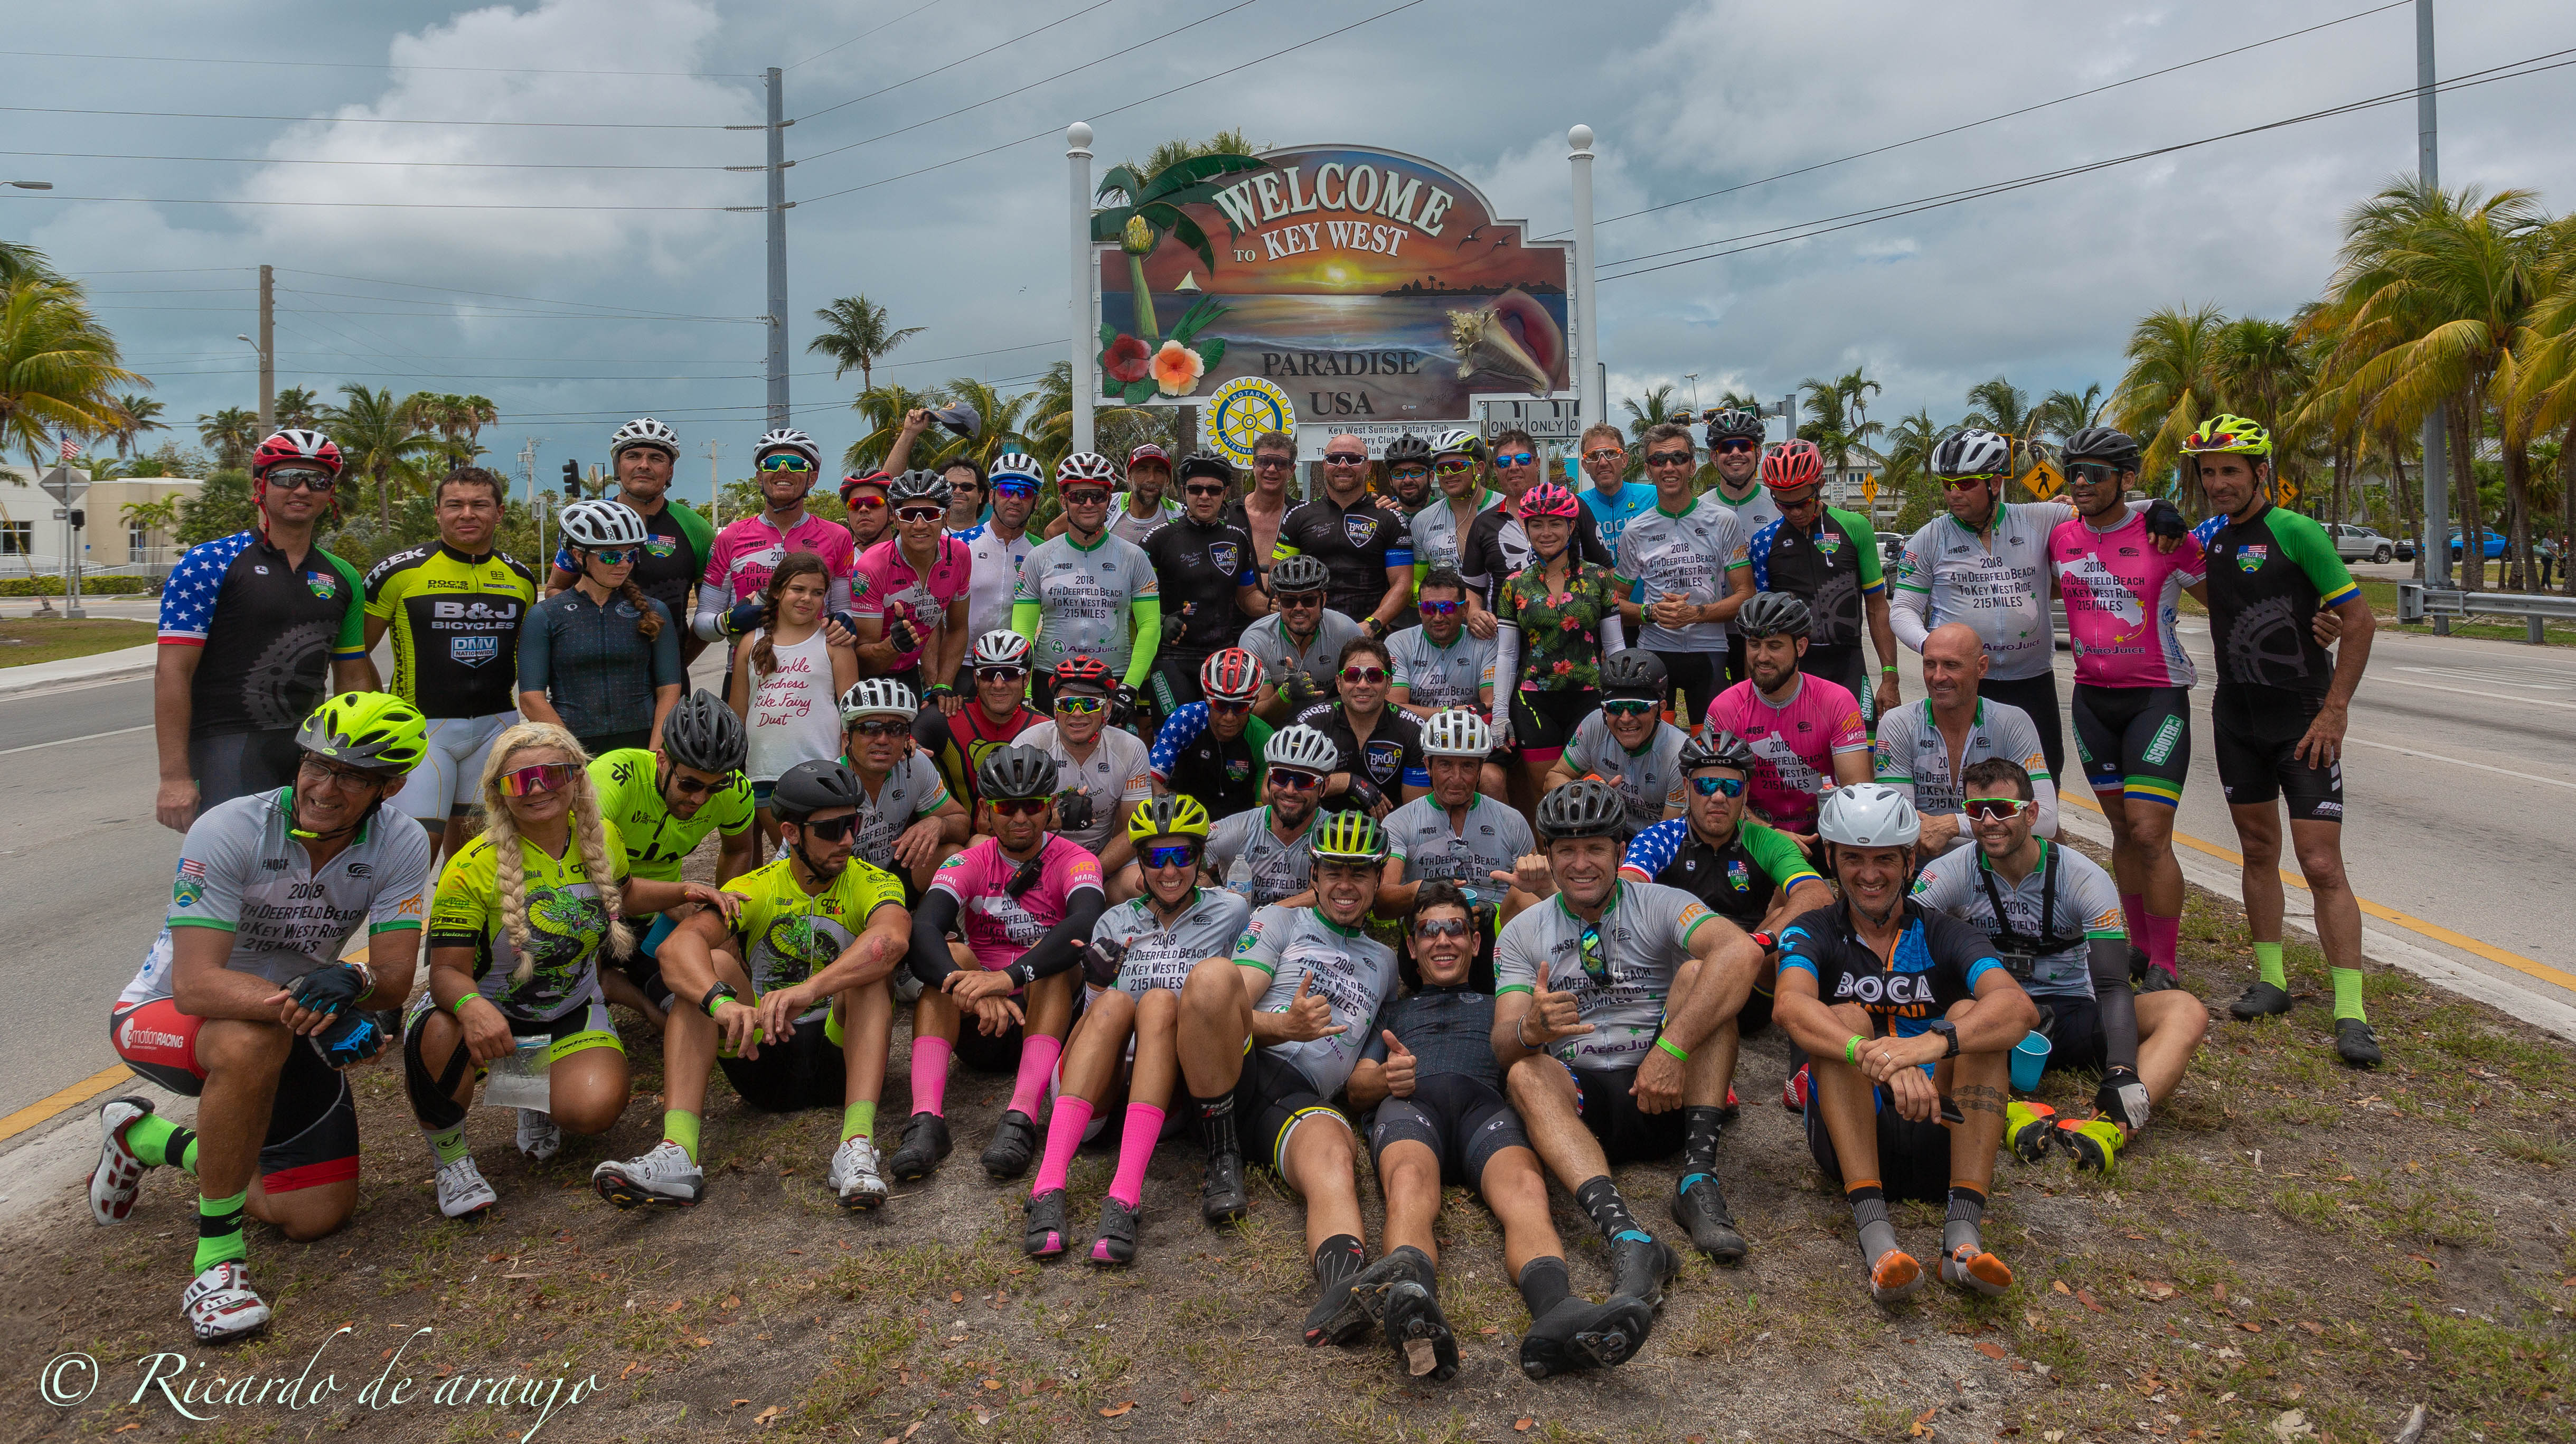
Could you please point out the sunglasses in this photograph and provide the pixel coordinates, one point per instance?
(1228, 708)
(1441, 928)
(1630, 707)
(1417, 473)
(299, 479)
(1020, 806)
(1734, 447)
(1211, 489)
(1712, 786)
(865, 503)
(832, 831)
(692, 786)
(1177, 855)
(1345, 458)
(1515, 458)
(1273, 463)
(1364, 674)
(1453, 468)
(1303, 599)
(1080, 706)
(528, 781)
(1088, 496)
(1962, 483)
(2092, 471)
(881, 727)
(1595, 966)
(1607, 453)
(785, 462)
(1001, 674)
(921, 513)
(1439, 609)
(340, 776)
(612, 556)
(1293, 780)
(1980, 809)
(1015, 486)
(1668, 458)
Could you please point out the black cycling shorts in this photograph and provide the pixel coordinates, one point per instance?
(1913, 1158)
(239, 764)
(1755, 1015)
(1174, 682)
(1462, 1120)
(2134, 742)
(1270, 1100)
(1698, 674)
(2074, 1028)
(1627, 1133)
(803, 1071)
(2038, 697)
(433, 1098)
(2257, 737)
(1842, 666)
(312, 1136)
(1543, 722)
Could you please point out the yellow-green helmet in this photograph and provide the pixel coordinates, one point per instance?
(2226, 434)
(1179, 816)
(375, 730)
(1349, 837)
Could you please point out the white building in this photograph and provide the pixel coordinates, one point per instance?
(31, 538)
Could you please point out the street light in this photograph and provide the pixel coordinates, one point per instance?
(1693, 378)
(33, 185)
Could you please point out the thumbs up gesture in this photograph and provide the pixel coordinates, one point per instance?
(1553, 1016)
(1398, 1067)
(1310, 1014)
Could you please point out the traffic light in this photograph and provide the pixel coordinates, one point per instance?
(80, 518)
(572, 481)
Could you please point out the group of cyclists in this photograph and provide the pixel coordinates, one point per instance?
(1453, 813)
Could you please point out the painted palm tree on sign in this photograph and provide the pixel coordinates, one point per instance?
(855, 334)
(231, 434)
(1139, 210)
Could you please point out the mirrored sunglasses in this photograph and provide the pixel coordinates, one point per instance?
(785, 461)
(1346, 458)
(921, 513)
(298, 478)
(1734, 446)
(1364, 674)
(1441, 928)
(1668, 458)
(1294, 780)
(1712, 786)
(1629, 707)
(1080, 706)
(1020, 806)
(1179, 854)
(1515, 458)
(1453, 466)
(1439, 609)
(612, 556)
(529, 781)
(1962, 483)
(1980, 809)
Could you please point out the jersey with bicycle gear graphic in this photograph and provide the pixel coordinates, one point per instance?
(2268, 577)
(269, 629)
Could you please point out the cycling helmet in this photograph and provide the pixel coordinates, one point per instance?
(1972, 453)
(644, 431)
(1176, 816)
(1303, 748)
(1149, 452)
(816, 786)
(1867, 814)
(1635, 672)
(1408, 450)
(602, 524)
(296, 444)
(1348, 837)
(2115, 449)
(1457, 732)
(2231, 435)
(1793, 463)
(703, 733)
(1587, 808)
(1734, 422)
(877, 697)
(789, 439)
(918, 485)
(375, 730)
(1772, 614)
(1018, 467)
(1233, 675)
(1081, 671)
(1719, 748)
(1297, 575)
(877, 479)
(1207, 463)
(1549, 499)
(1001, 647)
(1012, 772)
(1085, 466)
(1457, 441)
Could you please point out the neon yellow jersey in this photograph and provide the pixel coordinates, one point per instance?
(627, 781)
(786, 934)
(454, 620)
(567, 922)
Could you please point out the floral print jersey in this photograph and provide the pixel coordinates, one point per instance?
(1560, 631)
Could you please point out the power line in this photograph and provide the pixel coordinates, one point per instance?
(374, 65)
(951, 65)
(426, 164)
(364, 119)
(506, 296)
(369, 205)
(862, 35)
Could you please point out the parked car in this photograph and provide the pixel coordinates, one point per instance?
(2360, 543)
(1891, 545)
(2406, 549)
(2493, 548)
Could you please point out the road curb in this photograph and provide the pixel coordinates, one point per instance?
(97, 667)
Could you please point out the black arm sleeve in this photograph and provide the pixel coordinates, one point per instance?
(1061, 948)
(1587, 537)
(2109, 959)
(931, 921)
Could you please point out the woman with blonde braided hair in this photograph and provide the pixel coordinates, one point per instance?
(525, 915)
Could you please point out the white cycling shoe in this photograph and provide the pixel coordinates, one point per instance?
(665, 1176)
(462, 1193)
(119, 1175)
(854, 1174)
(539, 1138)
(221, 1306)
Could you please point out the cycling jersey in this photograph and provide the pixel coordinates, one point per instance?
(454, 623)
(912, 790)
(1831, 569)
(2123, 601)
(1117, 771)
(630, 797)
(1641, 941)
(1160, 956)
(1914, 758)
(1391, 758)
(787, 935)
(1268, 640)
(959, 744)
(270, 628)
(2268, 577)
(1994, 582)
(1613, 511)
(1794, 744)
(1937, 963)
(1348, 969)
(1198, 569)
(1736, 881)
(885, 585)
(1649, 781)
(567, 922)
(1436, 676)
(1485, 841)
(1124, 522)
(996, 575)
(998, 925)
(2083, 907)
(1224, 774)
(1756, 511)
(1435, 535)
(1248, 856)
(589, 662)
(1077, 599)
(744, 554)
(1561, 632)
(1356, 544)
(1692, 554)
(1497, 548)
(240, 873)
(676, 543)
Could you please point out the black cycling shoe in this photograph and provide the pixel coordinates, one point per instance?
(1221, 1195)
(1640, 1267)
(1115, 1242)
(1578, 1335)
(1347, 1307)
(1015, 1142)
(1700, 1208)
(2155, 980)
(925, 1142)
(2356, 1044)
(1419, 1332)
(1045, 1236)
(2263, 1000)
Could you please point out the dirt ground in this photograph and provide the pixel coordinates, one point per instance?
(2293, 1251)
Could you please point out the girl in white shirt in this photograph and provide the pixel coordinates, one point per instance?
(787, 683)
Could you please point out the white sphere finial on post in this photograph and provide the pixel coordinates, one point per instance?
(1080, 323)
(1588, 378)
(1077, 138)
(1579, 140)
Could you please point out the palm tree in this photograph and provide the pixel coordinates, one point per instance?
(2167, 389)
(379, 440)
(231, 433)
(855, 334)
(1656, 409)
(20, 262)
(1856, 389)
(884, 407)
(136, 414)
(1148, 207)
(1998, 405)
(2065, 413)
(296, 406)
(1909, 464)
(57, 366)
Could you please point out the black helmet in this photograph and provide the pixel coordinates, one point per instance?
(1015, 772)
(1734, 421)
(1299, 574)
(703, 733)
(1771, 614)
(2115, 449)
(1582, 809)
(812, 787)
(1206, 463)
(1408, 450)
(1719, 748)
(1635, 672)
(918, 484)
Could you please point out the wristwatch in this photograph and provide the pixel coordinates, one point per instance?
(1949, 1032)
(722, 989)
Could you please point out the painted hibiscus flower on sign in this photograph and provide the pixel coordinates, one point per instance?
(1132, 370)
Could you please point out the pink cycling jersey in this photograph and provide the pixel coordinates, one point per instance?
(1794, 745)
(2121, 603)
(747, 551)
(886, 585)
(998, 926)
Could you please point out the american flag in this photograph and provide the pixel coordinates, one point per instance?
(71, 448)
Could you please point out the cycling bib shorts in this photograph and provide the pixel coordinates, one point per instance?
(312, 1134)
(2257, 740)
(2135, 742)
(449, 778)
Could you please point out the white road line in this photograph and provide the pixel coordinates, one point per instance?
(2459, 762)
(2474, 692)
(2499, 679)
(67, 741)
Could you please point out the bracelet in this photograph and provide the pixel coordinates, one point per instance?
(1851, 1051)
(1669, 1046)
(458, 1007)
(1764, 941)
(1520, 1032)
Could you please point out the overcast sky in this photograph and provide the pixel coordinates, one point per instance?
(2040, 283)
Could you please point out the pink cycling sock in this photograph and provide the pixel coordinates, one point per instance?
(1037, 1065)
(2133, 908)
(930, 1074)
(1135, 1150)
(1063, 1137)
(2163, 935)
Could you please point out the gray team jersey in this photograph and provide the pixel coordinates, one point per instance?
(913, 789)
(1118, 770)
(1083, 595)
(1250, 859)
(2087, 903)
(240, 873)
(1912, 757)
(1648, 782)
(1161, 957)
(1125, 523)
(1438, 676)
(1436, 535)
(1997, 584)
(1268, 640)
(1751, 514)
(1490, 840)
(1690, 554)
(1353, 972)
(1645, 939)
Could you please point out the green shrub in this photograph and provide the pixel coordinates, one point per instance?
(90, 586)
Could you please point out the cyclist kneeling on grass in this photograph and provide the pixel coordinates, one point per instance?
(663, 803)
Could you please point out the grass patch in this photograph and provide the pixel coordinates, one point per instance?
(56, 639)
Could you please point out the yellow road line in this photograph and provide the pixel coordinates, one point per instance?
(2418, 926)
(69, 1098)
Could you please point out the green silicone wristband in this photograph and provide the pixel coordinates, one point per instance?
(1667, 1045)
(1851, 1051)
(458, 1007)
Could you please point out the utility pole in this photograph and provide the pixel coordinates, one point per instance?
(777, 250)
(267, 349)
(1086, 389)
(2436, 548)
(528, 463)
(715, 483)
(1593, 381)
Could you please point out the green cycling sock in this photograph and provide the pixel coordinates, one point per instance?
(156, 1141)
(219, 1230)
(2347, 986)
(859, 1120)
(681, 1128)
(449, 1145)
(2267, 961)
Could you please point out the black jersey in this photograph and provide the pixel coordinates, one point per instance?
(1447, 1030)
(1199, 569)
(1356, 545)
(1392, 757)
(270, 628)
(1223, 773)
(2268, 576)
(1938, 962)
(1496, 548)
(1830, 569)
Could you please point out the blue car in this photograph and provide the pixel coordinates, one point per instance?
(2494, 544)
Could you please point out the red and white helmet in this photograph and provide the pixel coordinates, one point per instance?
(1793, 464)
(1233, 675)
(1086, 466)
(297, 445)
(1549, 499)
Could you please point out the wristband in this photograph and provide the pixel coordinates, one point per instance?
(1520, 1032)
(458, 1007)
(1764, 941)
(1669, 1046)
(1851, 1051)
(717, 994)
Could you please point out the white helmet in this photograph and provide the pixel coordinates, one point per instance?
(603, 524)
(1001, 647)
(789, 440)
(877, 697)
(1458, 441)
(1302, 748)
(1086, 466)
(1018, 465)
(1457, 732)
(1972, 453)
(1866, 814)
(644, 431)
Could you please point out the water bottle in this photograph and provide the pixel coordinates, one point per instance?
(1238, 876)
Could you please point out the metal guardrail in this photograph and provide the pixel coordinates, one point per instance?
(2417, 602)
